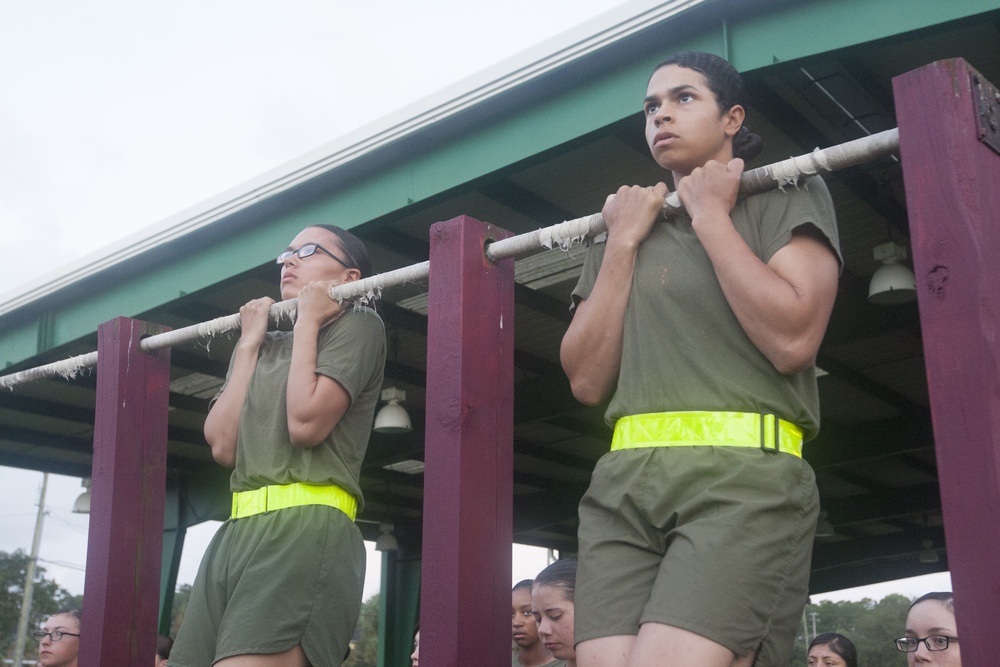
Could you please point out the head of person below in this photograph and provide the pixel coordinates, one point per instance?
(931, 636)
(163, 646)
(552, 595)
(832, 650)
(59, 639)
(524, 630)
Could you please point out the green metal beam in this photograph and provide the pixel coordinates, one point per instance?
(752, 36)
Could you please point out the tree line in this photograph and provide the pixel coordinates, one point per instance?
(870, 625)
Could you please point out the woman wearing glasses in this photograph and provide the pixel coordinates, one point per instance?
(281, 581)
(931, 636)
(59, 639)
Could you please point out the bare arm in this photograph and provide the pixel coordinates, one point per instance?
(315, 403)
(591, 349)
(222, 422)
(783, 306)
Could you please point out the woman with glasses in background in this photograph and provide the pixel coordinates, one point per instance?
(281, 582)
(931, 636)
(59, 639)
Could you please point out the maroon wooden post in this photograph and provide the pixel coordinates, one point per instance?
(468, 480)
(953, 199)
(122, 587)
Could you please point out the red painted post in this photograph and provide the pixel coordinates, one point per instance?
(468, 480)
(953, 198)
(122, 588)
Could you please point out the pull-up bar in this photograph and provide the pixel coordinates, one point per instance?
(564, 234)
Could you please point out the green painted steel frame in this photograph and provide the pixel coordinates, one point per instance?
(751, 38)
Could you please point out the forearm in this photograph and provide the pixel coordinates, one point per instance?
(591, 349)
(222, 423)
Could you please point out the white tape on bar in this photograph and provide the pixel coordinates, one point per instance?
(563, 235)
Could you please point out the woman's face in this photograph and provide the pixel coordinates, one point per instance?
(63, 652)
(823, 655)
(932, 618)
(415, 656)
(684, 126)
(554, 615)
(523, 626)
(297, 272)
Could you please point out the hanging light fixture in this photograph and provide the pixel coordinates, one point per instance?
(393, 419)
(929, 553)
(82, 504)
(893, 282)
(823, 527)
(386, 540)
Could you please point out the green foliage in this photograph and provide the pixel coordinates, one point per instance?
(364, 652)
(47, 597)
(870, 625)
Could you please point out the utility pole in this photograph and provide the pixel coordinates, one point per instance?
(29, 579)
(813, 615)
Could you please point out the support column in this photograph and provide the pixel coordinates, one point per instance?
(127, 498)
(953, 199)
(468, 480)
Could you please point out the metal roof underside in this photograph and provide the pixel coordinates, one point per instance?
(875, 457)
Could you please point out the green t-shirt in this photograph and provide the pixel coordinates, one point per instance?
(555, 663)
(683, 347)
(351, 351)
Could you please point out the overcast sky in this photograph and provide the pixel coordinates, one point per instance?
(115, 115)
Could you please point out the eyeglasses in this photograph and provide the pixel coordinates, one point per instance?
(55, 635)
(932, 642)
(308, 250)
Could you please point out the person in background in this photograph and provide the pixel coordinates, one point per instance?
(530, 650)
(59, 639)
(552, 603)
(832, 650)
(415, 656)
(931, 636)
(163, 646)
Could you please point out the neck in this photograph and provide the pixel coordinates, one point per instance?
(535, 655)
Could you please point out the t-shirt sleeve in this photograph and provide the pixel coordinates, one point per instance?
(781, 212)
(352, 349)
(588, 275)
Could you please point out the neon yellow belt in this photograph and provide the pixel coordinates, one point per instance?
(699, 429)
(276, 497)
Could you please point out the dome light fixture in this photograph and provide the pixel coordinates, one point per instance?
(393, 419)
(82, 504)
(892, 283)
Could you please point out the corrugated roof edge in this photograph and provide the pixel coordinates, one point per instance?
(607, 28)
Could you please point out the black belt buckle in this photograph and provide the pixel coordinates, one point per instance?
(763, 432)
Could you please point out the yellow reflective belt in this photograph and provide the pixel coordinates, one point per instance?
(276, 497)
(699, 429)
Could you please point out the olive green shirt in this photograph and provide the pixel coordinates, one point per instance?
(683, 347)
(351, 351)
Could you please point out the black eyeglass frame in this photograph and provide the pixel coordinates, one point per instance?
(904, 645)
(55, 635)
(308, 250)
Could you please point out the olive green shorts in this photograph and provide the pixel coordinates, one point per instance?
(713, 540)
(272, 581)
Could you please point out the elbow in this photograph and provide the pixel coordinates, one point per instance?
(794, 358)
(304, 434)
(587, 392)
(221, 453)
